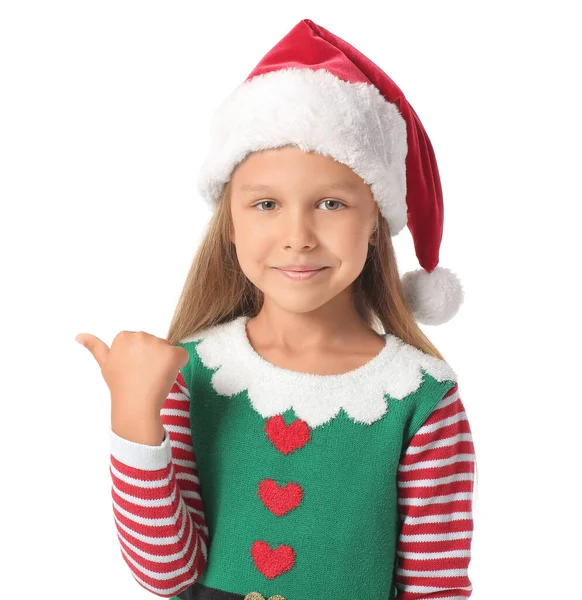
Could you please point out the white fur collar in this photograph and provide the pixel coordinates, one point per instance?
(316, 399)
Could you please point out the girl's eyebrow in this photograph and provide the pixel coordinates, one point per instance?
(259, 187)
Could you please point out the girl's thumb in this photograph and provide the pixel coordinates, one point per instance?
(98, 349)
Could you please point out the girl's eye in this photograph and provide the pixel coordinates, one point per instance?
(327, 200)
(263, 202)
(333, 200)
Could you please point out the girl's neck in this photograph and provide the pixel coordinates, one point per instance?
(309, 345)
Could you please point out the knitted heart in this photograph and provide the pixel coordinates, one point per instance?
(287, 438)
(272, 563)
(280, 500)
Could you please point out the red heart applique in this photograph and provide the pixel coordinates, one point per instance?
(287, 438)
(272, 563)
(280, 500)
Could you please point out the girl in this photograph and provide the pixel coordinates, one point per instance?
(277, 446)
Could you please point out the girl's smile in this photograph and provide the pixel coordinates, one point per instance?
(300, 275)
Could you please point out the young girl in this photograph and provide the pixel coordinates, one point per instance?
(300, 454)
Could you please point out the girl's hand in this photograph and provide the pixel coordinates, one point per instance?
(139, 369)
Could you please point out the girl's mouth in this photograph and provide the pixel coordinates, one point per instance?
(300, 275)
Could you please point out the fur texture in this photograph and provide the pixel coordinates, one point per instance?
(435, 297)
(396, 371)
(292, 106)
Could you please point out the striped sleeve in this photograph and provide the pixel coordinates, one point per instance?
(157, 504)
(435, 498)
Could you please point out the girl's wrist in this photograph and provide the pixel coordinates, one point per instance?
(150, 432)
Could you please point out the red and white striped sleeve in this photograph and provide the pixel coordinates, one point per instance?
(157, 505)
(435, 497)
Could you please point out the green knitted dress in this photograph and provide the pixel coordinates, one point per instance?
(298, 472)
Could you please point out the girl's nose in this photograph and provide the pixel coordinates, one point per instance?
(298, 230)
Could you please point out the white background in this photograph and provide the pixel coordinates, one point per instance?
(104, 110)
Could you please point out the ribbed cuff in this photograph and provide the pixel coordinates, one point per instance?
(141, 456)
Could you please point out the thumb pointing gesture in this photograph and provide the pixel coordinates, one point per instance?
(140, 370)
(98, 348)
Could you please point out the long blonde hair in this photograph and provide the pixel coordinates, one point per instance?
(217, 290)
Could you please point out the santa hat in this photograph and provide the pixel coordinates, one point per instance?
(316, 91)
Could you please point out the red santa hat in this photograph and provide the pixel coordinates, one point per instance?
(316, 91)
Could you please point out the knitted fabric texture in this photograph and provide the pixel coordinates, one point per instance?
(366, 492)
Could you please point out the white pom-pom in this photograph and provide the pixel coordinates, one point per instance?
(434, 298)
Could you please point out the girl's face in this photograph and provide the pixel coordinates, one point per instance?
(288, 208)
